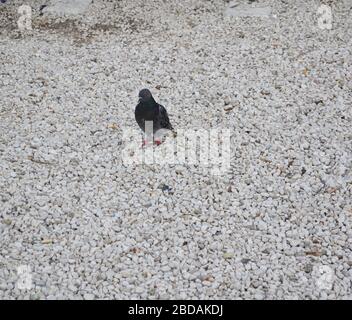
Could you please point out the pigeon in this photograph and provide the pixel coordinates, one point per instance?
(148, 109)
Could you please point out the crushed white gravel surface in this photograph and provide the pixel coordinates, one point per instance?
(77, 223)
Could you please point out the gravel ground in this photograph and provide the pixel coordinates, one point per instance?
(77, 223)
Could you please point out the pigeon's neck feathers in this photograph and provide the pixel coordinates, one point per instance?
(148, 109)
(150, 103)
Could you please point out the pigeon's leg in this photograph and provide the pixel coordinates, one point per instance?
(159, 135)
(146, 142)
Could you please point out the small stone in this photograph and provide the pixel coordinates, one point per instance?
(113, 126)
(89, 296)
(7, 221)
(228, 255)
(47, 241)
(245, 260)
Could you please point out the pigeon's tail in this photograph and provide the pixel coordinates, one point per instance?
(170, 127)
(164, 120)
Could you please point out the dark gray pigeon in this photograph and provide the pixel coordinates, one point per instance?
(148, 109)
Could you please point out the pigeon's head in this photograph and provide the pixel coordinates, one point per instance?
(144, 95)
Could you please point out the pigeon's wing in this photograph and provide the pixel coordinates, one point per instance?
(164, 118)
(139, 116)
